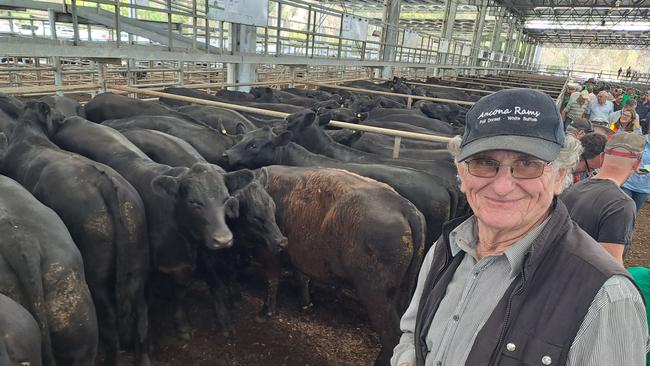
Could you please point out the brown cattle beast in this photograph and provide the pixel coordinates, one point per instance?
(348, 230)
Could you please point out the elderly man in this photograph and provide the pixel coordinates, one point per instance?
(600, 108)
(571, 89)
(576, 109)
(518, 283)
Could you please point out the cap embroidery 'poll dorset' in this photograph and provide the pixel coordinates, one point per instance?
(504, 120)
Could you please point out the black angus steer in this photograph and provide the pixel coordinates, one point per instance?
(186, 207)
(351, 231)
(308, 134)
(42, 270)
(106, 218)
(20, 337)
(66, 106)
(207, 141)
(256, 223)
(435, 198)
(219, 118)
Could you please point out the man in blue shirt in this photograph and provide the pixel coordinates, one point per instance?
(600, 108)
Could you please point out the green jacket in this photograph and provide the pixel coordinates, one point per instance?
(641, 276)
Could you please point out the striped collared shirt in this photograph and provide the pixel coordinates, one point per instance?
(614, 332)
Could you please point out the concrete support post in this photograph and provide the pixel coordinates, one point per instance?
(51, 18)
(389, 34)
(58, 76)
(242, 40)
(495, 43)
(515, 48)
(538, 55)
(479, 25)
(511, 28)
(448, 27)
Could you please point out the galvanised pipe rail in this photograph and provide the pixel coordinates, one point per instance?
(384, 131)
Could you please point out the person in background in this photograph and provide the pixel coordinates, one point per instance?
(641, 276)
(627, 122)
(628, 94)
(618, 102)
(643, 111)
(576, 109)
(591, 159)
(638, 185)
(517, 281)
(602, 128)
(628, 73)
(579, 127)
(599, 109)
(614, 116)
(599, 206)
(620, 70)
(570, 90)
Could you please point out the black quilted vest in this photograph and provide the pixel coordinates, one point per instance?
(538, 317)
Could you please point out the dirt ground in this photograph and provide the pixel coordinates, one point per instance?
(639, 254)
(334, 332)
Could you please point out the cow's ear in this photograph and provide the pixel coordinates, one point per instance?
(238, 179)
(282, 139)
(4, 144)
(240, 129)
(165, 185)
(232, 208)
(199, 168)
(43, 108)
(262, 176)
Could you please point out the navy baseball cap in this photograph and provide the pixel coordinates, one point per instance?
(521, 120)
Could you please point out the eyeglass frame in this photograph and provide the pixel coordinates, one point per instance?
(512, 171)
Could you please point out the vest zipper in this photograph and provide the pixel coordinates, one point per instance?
(502, 334)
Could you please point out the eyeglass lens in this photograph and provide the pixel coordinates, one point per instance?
(520, 169)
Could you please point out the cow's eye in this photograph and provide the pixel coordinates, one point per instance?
(195, 203)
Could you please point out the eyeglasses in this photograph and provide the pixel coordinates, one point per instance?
(520, 169)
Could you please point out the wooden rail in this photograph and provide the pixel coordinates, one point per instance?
(408, 97)
(384, 131)
(500, 85)
(447, 87)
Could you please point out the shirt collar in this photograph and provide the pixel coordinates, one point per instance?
(464, 237)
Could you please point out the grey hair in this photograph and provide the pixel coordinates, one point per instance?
(568, 157)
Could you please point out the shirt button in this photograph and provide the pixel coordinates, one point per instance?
(511, 347)
(456, 317)
(546, 360)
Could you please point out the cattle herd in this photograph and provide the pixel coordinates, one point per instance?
(99, 203)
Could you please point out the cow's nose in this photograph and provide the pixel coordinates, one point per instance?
(222, 241)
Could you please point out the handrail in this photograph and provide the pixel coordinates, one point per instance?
(502, 86)
(384, 131)
(407, 96)
(445, 86)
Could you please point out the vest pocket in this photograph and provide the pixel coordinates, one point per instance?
(525, 349)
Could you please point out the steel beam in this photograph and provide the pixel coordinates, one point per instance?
(448, 27)
(389, 34)
(478, 32)
(242, 41)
